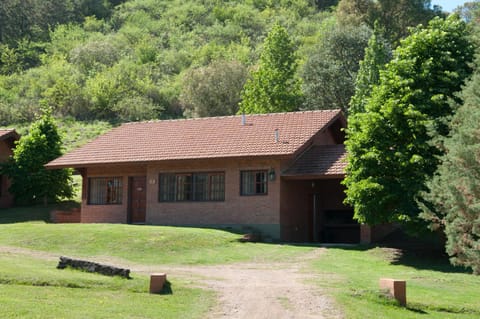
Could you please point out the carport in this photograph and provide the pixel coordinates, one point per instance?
(311, 204)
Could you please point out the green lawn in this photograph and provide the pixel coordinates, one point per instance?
(34, 288)
(141, 244)
(434, 288)
(31, 286)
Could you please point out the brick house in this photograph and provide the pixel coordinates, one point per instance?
(7, 144)
(275, 173)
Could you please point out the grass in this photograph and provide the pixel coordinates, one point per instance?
(31, 286)
(74, 133)
(434, 288)
(34, 288)
(141, 244)
(29, 227)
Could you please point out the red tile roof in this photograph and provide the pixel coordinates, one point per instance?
(320, 160)
(6, 133)
(214, 137)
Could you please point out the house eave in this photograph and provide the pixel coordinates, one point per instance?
(279, 157)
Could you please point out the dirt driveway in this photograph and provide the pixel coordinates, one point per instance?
(279, 290)
(260, 290)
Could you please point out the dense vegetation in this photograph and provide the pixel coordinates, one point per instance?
(139, 59)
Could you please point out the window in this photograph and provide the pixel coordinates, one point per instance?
(104, 190)
(191, 187)
(253, 183)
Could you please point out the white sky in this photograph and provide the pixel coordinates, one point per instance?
(449, 5)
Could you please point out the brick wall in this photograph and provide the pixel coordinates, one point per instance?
(6, 199)
(69, 216)
(261, 211)
(256, 211)
(108, 213)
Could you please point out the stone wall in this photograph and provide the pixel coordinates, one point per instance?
(93, 267)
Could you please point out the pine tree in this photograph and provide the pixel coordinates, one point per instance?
(274, 86)
(454, 191)
(31, 182)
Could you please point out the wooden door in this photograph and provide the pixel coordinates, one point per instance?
(138, 199)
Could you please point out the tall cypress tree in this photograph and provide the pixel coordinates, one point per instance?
(377, 54)
(274, 86)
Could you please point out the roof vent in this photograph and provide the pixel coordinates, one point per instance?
(276, 135)
(244, 119)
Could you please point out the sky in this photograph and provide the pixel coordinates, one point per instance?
(448, 5)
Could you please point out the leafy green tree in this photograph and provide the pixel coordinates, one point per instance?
(377, 54)
(274, 86)
(31, 181)
(454, 191)
(470, 11)
(393, 147)
(331, 69)
(394, 16)
(213, 90)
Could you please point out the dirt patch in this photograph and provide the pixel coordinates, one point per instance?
(28, 252)
(260, 290)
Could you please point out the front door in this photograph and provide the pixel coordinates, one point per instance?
(138, 199)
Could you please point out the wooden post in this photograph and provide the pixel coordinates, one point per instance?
(157, 280)
(396, 288)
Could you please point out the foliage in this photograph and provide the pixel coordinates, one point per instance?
(454, 190)
(127, 60)
(393, 147)
(377, 54)
(31, 182)
(395, 17)
(274, 86)
(470, 11)
(213, 90)
(330, 70)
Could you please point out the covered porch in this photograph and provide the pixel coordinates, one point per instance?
(311, 205)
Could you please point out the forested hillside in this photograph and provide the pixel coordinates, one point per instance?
(129, 60)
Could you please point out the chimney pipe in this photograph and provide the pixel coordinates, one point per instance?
(276, 135)
(244, 119)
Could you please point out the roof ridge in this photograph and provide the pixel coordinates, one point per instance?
(230, 116)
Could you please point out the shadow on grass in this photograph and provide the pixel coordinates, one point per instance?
(40, 213)
(418, 256)
(425, 309)
(167, 288)
(424, 253)
(415, 307)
